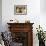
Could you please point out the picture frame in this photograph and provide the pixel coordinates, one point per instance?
(20, 9)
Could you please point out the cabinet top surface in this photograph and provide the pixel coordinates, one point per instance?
(19, 23)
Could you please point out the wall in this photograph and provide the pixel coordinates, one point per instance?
(0, 15)
(33, 8)
(34, 14)
(43, 6)
(43, 14)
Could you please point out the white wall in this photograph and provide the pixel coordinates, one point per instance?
(33, 14)
(43, 6)
(43, 14)
(33, 10)
(0, 15)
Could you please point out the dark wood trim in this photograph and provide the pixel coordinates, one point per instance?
(23, 27)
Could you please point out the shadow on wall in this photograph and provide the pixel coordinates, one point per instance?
(43, 6)
(0, 15)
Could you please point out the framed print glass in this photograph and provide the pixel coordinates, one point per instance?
(20, 9)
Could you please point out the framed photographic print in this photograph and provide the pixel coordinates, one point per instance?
(20, 9)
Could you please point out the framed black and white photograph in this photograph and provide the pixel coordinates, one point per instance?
(20, 9)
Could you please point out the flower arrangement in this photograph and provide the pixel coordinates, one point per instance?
(40, 34)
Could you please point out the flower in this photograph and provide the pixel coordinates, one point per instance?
(40, 33)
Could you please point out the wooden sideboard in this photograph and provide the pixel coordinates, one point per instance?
(22, 33)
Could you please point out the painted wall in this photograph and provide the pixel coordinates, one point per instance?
(43, 6)
(34, 14)
(43, 14)
(33, 11)
(0, 15)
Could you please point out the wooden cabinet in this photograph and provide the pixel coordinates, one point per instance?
(22, 33)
